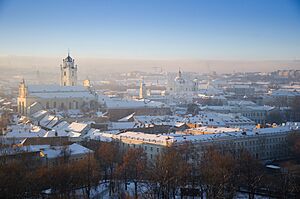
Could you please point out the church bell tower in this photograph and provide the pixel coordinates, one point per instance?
(68, 71)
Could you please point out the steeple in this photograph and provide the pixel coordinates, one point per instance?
(143, 91)
(68, 72)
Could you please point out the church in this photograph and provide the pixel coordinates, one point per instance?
(66, 96)
(182, 86)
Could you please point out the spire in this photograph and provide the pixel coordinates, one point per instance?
(69, 58)
(179, 72)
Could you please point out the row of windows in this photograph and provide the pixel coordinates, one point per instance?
(261, 114)
(145, 147)
(71, 105)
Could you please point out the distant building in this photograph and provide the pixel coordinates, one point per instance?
(241, 90)
(287, 73)
(180, 85)
(282, 97)
(258, 114)
(66, 96)
(120, 108)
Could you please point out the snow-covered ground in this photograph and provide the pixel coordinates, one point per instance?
(102, 191)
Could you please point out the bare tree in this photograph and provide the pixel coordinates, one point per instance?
(169, 170)
(89, 175)
(218, 173)
(250, 173)
(133, 167)
(108, 156)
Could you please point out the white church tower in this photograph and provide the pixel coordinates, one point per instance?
(68, 72)
(143, 90)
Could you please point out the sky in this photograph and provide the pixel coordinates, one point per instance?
(152, 29)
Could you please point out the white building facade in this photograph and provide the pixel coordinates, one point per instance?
(263, 144)
(65, 96)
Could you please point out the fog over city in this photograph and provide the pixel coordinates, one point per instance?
(105, 65)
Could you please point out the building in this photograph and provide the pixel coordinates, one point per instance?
(263, 144)
(259, 114)
(67, 96)
(46, 154)
(282, 97)
(180, 85)
(118, 108)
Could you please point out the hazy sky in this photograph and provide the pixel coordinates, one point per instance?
(152, 29)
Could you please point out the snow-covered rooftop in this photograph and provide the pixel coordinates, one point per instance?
(56, 151)
(230, 133)
(77, 127)
(49, 121)
(57, 91)
(122, 103)
(121, 125)
(24, 131)
(203, 118)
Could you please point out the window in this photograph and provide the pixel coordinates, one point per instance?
(70, 105)
(47, 105)
(54, 104)
(65, 73)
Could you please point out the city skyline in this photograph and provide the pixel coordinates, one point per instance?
(150, 99)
